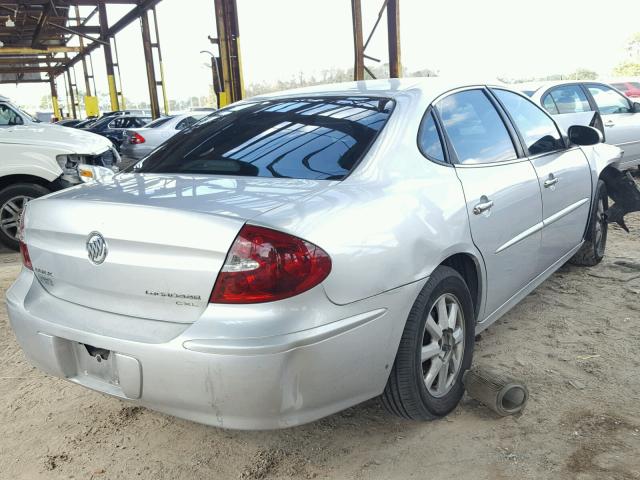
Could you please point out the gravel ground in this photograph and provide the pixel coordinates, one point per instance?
(575, 342)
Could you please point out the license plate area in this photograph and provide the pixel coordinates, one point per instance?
(97, 363)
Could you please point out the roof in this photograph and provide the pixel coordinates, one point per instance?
(391, 87)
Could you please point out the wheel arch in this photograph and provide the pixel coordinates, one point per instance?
(469, 269)
(9, 180)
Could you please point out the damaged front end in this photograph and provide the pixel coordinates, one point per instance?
(624, 191)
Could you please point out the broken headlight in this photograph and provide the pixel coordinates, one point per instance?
(69, 163)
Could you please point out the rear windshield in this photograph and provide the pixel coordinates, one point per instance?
(306, 138)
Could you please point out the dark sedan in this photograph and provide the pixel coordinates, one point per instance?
(114, 127)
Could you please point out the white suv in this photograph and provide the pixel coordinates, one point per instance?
(38, 158)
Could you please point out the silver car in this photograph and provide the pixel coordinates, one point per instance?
(620, 115)
(295, 254)
(140, 142)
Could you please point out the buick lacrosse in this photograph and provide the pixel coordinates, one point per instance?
(295, 254)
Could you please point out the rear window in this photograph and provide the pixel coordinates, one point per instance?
(158, 122)
(305, 138)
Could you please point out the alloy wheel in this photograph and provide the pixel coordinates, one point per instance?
(442, 345)
(10, 215)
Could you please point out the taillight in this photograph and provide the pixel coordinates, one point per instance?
(24, 251)
(264, 265)
(136, 138)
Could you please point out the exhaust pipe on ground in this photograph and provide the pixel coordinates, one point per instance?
(501, 393)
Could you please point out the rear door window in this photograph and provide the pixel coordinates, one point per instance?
(475, 128)
(567, 99)
(307, 138)
(538, 131)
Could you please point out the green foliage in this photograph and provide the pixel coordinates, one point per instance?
(583, 74)
(627, 69)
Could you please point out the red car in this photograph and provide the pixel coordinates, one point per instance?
(630, 89)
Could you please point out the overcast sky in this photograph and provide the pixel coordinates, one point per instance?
(281, 38)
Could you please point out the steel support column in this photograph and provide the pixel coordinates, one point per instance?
(151, 71)
(229, 44)
(54, 98)
(108, 55)
(393, 29)
(72, 96)
(358, 42)
(163, 85)
(85, 71)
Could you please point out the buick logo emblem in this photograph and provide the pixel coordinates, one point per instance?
(96, 248)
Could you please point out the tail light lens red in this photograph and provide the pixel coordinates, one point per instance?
(264, 265)
(24, 251)
(136, 138)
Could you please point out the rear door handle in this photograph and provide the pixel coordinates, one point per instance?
(484, 205)
(609, 124)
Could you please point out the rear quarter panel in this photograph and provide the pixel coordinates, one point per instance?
(391, 222)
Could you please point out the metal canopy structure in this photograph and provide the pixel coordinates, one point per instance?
(43, 39)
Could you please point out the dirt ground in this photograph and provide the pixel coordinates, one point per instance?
(575, 342)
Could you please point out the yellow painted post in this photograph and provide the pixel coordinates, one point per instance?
(113, 93)
(164, 90)
(54, 99)
(91, 106)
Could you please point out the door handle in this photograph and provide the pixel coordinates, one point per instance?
(610, 123)
(551, 181)
(484, 205)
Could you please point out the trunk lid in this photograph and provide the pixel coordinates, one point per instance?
(167, 237)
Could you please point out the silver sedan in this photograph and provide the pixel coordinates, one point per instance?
(137, 143)
(298, 253)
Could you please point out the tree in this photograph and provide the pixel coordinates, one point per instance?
(45, 103)
(583, 74)
(627, 69)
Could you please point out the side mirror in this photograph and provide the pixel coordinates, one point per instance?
(583, 135)
(635, 108)
(92, 173)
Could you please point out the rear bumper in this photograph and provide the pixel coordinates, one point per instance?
(245, 383)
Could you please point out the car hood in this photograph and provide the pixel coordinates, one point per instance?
(55, 136)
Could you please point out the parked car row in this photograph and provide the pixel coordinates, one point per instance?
(618, 115)
(298, 253)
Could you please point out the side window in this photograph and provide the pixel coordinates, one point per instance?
(475, 129)
(608, 100)
(8, 116)
(549, 105)
(569, 99)
(429, 139)
(117, 123)
(185, 123)
(539, 132)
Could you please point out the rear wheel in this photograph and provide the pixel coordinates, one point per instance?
(435, 350)
(12, 202)
(592, 251)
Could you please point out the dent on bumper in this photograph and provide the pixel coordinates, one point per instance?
(250, 383)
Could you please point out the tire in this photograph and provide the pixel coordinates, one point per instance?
(592, 251)
(407, 393)
(12, 200)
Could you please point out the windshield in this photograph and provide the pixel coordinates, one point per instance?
(306, 138)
